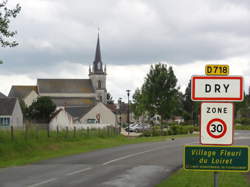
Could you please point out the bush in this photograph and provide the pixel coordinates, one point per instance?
(242, 127)
(172, 130)
(243, 121)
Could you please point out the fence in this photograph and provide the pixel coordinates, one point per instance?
(41, 131)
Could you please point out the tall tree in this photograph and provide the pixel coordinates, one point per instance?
(242, 109)
(138, 106)
(110, 99)
(191, 109)
(160, 92)
(5, 17)
(42, 109)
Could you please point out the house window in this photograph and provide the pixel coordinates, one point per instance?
(99, 84)
(4, 121)
(91, 120)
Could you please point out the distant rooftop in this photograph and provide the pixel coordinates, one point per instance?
(65, 86)
(7, 105)
(21, 91)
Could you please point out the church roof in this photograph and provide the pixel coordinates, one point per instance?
(78, 112)
(2, 95)
(73, 101)
(7, 105)
(97, 64)
(65, 86)
(21, 91)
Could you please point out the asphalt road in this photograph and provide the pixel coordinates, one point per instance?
(138, 165)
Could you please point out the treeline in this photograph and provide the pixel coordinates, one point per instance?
(160, 95)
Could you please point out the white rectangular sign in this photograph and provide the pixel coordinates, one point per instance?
(217, 88)
(216, 123)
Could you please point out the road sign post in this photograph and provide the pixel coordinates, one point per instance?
(216, 90)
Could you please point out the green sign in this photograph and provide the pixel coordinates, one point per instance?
(216, 158)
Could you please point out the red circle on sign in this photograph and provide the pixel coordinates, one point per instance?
(224, 128)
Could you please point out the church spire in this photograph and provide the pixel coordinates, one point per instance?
(97, 64)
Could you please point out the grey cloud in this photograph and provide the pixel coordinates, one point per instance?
(132, 32)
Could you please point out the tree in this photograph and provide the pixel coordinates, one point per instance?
(242, 109)
(41, 109)
(191, 109)
(24, 108)
(5, 17)
(138, 107)
(110, 99)
(160, 94)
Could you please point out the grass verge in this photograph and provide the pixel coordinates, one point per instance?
(204, 179)
(184, 178)
(19, 152)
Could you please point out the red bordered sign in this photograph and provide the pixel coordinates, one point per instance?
(217, 88)
(216, 123)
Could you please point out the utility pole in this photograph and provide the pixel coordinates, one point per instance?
(128, 111)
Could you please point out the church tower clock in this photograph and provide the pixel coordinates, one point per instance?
(97, 75)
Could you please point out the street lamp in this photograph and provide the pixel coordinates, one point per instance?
(120, 114)
(128, 110)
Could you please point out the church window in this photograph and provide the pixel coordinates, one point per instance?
(91, 120)
(99, 65)
(99, 84)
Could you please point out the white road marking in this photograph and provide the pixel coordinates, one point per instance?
(192, 143)
(132, 155)
(43, 182)
(241, 138)
(78, 171)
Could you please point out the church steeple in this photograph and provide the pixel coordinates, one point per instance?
(97, 64)
(98, 75)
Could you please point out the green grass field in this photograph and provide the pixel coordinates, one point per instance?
(36, 147)
(204, 179)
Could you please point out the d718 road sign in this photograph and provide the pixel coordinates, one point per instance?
(217, 88)
(212, 69)
(216, 123)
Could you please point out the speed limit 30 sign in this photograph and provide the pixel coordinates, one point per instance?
(216, 123)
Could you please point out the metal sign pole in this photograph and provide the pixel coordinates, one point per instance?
(216, 179)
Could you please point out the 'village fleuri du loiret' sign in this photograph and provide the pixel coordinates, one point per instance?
(216, 158)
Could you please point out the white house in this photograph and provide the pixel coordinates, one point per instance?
(27, 93)
(99, 114)
(82, 117)
(10, 113)
(61, 119)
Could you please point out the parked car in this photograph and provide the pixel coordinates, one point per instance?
(138, 128)
(130, 127)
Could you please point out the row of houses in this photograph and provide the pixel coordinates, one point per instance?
(97, 115)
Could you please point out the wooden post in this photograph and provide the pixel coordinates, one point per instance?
(37, 132)
(98, 131)
(57, 131)
(87, 131)
(74, 131)
(12, 133)
(26, 132)
(48, 132)
(67, 130)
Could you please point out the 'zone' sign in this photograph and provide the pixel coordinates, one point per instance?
(217, 88)
(216, 125)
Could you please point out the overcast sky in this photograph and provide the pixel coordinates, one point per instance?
(57, 39)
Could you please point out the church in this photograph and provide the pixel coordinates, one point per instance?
(69, 92)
